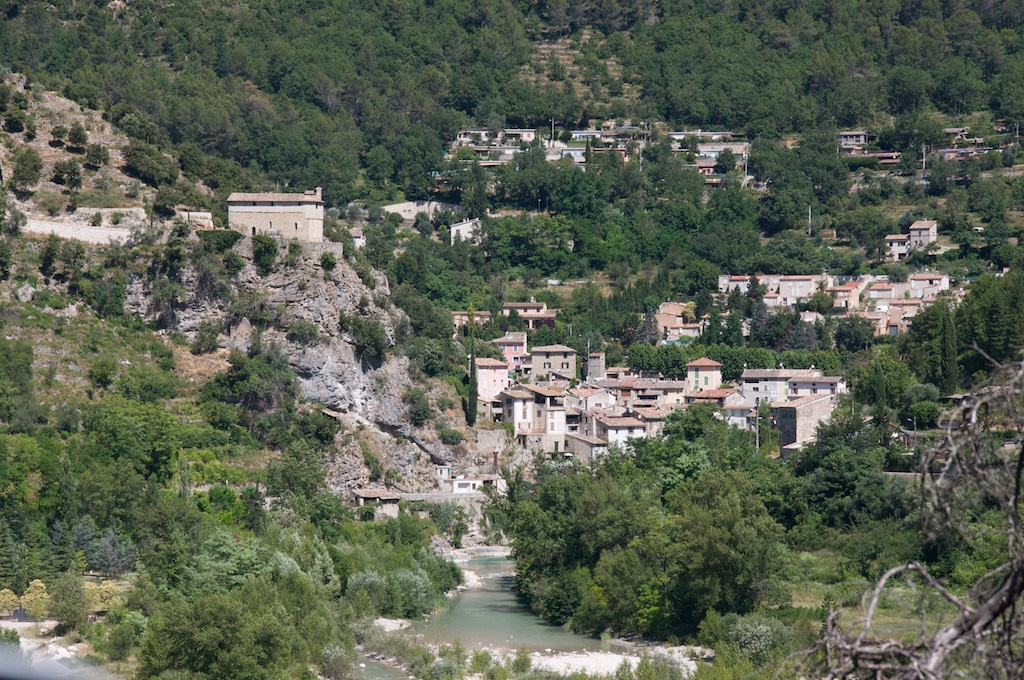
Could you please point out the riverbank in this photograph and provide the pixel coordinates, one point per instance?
(486, 617)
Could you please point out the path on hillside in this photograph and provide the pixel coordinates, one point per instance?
(101, 235)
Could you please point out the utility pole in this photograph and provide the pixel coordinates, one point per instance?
(924, 160)
(808, 220)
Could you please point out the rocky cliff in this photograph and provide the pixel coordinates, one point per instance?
(366, 398)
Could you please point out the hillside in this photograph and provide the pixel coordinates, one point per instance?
(307, 97)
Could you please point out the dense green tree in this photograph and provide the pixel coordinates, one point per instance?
(27, 168)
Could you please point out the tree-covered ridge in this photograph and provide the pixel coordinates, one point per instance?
(776, 67)
(297, 90)
(307, 93)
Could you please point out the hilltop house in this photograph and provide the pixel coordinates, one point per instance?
(289, 216)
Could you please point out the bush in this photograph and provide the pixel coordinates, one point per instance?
(294, 253)
(206, 338)
(368, 337)
(450, 437)
(102, 371)
(303, 332)
(146, 384)
(264, 253)
(420, 410)
(146, 162)
(233, 262)
(328, 261)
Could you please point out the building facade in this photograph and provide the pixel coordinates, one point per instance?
(287, 216)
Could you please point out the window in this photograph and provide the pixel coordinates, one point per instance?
(705, 380)
(565, 364)
(547, 364)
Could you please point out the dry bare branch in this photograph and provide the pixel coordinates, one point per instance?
(978, 467)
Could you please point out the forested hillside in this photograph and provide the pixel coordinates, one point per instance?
(307, 93)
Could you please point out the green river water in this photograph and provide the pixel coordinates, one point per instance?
(490, 616)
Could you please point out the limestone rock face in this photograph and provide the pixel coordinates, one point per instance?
(366, 398)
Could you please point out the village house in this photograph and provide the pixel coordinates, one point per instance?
(358, 239)
(653, 418)
(897, 246)
(800, 288)
(461, 319)
(585, 447)
(847, 295)
(288, 216)
(771, 384)
(513, 348)
(617, 430)
(703, 374)
(467, 230)
(797, 419)
(535, 314)
(928, 284)
(384, 502)
(491, 378)
(537, 415)
(585, 398)
(850, 140)
(593, 367)
(672, 315)
(802, 386)
(728, 283)
(923, 233)
(900, 314)
(548, 360)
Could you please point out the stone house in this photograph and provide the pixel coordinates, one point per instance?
(923, 233)
(287, 216)
(548, 360)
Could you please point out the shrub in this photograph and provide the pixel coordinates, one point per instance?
(328, 261)
(450, 437)
(420, 410)
(368, 337)
(372, 462)
(264, 252)
(303, 332)
(294, 253)
(206, 338)
(146, 162)
(233, 262)
(146, 384)
(96, 220)
(102, 371)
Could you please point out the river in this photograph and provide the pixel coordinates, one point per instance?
(491, 616)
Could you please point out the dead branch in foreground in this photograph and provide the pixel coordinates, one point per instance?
(977, 467)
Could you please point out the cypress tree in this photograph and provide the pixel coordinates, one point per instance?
(472, 398)
(949, 373)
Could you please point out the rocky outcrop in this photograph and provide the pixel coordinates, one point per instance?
(366, 398)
